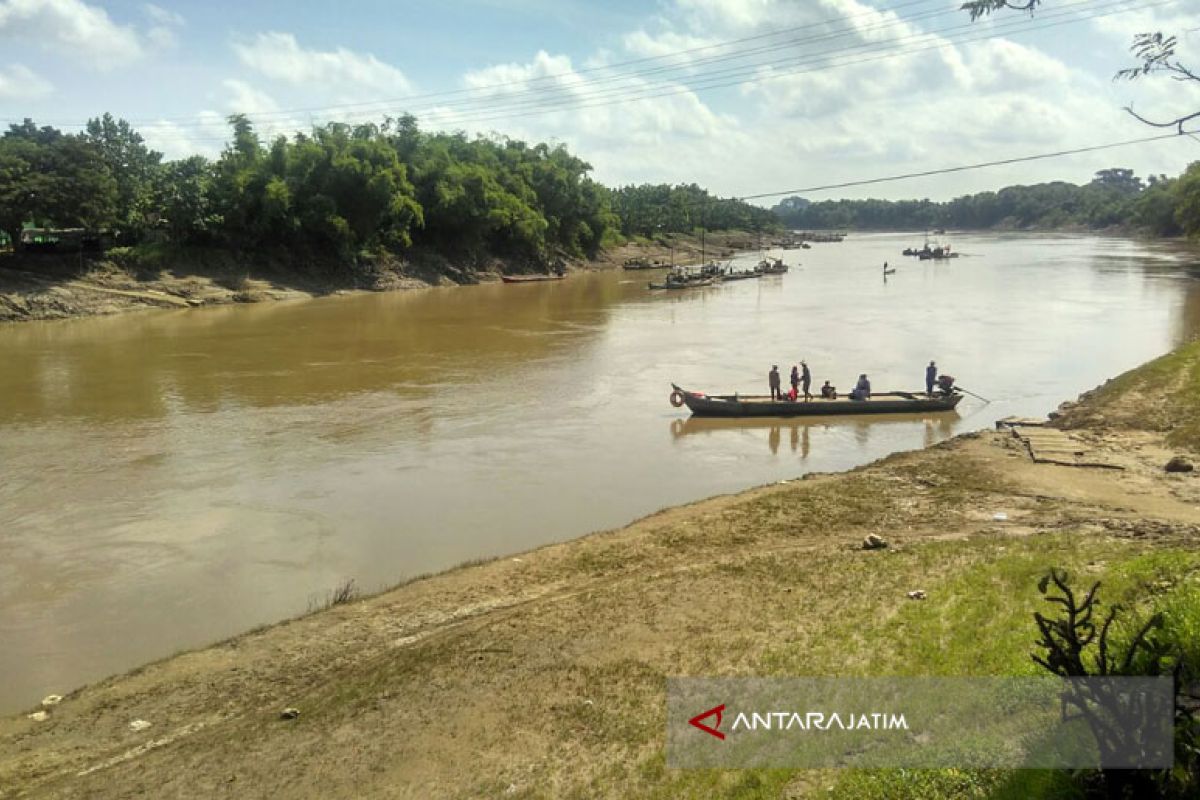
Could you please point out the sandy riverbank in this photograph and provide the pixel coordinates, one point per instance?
(61, 287)
(542, 674)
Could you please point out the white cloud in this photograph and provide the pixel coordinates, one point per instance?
(204, 135)
(280, 57)
(18, 82)
(161, 16)
(72, 28)
(245, 99)
(162, 32)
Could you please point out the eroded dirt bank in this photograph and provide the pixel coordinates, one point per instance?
(542, 674)
(59, 287)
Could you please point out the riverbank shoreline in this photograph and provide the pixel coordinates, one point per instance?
(48, 287)
(546, 669)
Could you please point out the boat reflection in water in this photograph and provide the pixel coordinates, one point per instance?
(937, 427)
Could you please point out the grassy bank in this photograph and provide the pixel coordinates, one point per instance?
(543, 675)
(39, 287)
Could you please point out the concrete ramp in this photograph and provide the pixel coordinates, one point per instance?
(1052, 446)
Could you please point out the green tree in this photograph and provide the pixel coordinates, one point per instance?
(54, 179)
(133, 167)
(1186, 192)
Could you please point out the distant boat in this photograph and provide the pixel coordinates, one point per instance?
(530, 278)
(771, 266)
(740, 276)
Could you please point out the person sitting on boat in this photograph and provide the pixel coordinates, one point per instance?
(930, 378)
(829, 392)
(795, 377)
(793, 393)
(806, 381)
(862, 389)
(773, 381)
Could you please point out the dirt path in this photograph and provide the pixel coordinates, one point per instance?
(541, 675)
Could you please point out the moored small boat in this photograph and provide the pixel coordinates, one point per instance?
(705, 405)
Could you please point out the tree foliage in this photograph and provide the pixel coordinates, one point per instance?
(660, 208)
(339, 190)
(1114, 197)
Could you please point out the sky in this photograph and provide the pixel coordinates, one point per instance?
(744, 97)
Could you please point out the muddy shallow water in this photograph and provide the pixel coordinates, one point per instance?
(170, 478)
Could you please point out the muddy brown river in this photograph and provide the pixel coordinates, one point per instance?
(168, 479)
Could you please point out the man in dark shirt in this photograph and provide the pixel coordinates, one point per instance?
(930, 377)
(805, 380)
(773, 380)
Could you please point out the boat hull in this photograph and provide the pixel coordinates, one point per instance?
(702, 405)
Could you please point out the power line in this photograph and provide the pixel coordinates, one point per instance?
(718, 79)
(963, 168)
(750, 74)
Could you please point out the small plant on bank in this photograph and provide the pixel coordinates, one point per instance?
(344, 592)
(1075, 644)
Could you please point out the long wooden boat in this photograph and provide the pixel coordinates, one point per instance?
(530, 278)
(726, 405)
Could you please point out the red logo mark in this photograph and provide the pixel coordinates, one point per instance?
(713, 731)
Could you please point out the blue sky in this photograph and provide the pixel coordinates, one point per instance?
(821, 91)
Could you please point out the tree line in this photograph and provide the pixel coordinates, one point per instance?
(1159, 205)
(341, 190)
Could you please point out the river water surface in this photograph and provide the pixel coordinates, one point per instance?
(171, 478)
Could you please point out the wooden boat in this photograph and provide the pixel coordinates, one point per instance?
(936, 254)
(724, 405)
(773, 266)
(530, 278)
(692, 284)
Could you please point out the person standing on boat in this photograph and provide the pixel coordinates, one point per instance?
(795, 379)
(773, 381)
(930, 378)
(805, 381)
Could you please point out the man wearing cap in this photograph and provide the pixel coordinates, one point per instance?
(930, 378)
(805, 380)
(773, 380)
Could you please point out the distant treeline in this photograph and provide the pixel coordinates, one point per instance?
(340, 191)
(1160, 206)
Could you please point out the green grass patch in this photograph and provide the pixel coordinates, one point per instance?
(1163, 395)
